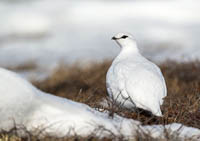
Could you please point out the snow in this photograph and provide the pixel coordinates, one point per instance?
(62, 117)
(132, 78)
(48, 32)
(29, 25)
(176, 129)
(39, 112)
(23, 104)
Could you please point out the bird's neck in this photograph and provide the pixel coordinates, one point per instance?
(130, 50)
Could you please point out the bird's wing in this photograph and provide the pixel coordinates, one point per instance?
(145, 89)
(143, 84)
(115, 80)
(157, 71)
(162, 78)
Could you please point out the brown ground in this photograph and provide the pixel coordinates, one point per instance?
(182, 105)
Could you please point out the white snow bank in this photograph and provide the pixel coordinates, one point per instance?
(60, 117)
(174, 129)
(23, 104)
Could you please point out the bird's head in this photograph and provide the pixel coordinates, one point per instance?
(125, 40)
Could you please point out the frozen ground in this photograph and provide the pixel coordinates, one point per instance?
(46, 32)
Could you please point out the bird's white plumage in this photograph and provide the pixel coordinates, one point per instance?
(133, 80)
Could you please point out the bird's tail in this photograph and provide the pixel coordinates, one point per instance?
(157, 113)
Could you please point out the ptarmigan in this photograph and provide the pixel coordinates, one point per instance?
(132, 80)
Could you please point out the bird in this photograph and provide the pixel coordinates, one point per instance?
(134, 82)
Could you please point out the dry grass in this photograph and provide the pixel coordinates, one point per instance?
(87, 85)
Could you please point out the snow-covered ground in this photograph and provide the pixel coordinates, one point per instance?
(47, 32)
(21, 104)
(175, 129)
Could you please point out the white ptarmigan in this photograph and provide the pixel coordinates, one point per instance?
(132, 80)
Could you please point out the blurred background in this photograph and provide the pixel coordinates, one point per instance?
(45, 33)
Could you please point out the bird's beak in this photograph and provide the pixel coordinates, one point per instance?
(114, 38)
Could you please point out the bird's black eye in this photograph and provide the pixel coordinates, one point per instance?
(124, 36)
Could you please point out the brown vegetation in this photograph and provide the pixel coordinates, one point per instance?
(87, 85)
